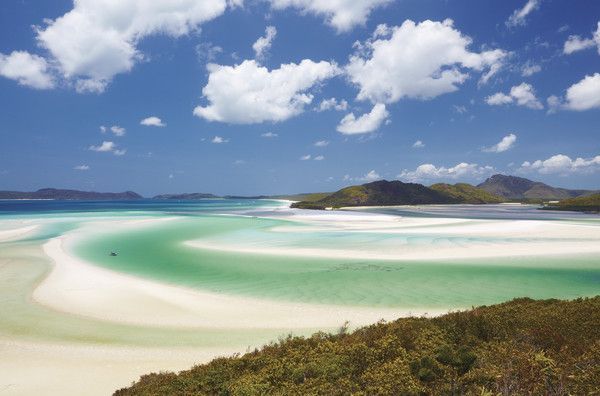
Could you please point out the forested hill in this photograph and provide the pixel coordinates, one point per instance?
(383, 192)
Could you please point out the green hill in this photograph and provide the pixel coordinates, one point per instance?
(467, 193)
(588, 203)
(378, 193)
(522, 347)
(519, 188)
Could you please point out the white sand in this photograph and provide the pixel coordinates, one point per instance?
(13, 234)
(38, 368)
(441, 238)
(76, 287)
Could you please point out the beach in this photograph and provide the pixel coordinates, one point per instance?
(185, 289)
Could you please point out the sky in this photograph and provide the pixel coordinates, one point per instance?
(287, 96)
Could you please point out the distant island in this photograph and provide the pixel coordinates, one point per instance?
(61, 194)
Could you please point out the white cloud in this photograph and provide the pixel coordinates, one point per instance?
(575, 43)
(104, 147)
(263, 44)
(518, 17)
(27, 69)
(430, 171)
(368, 122)
(96, 40)
(498, 99)
(419, 61)
(584, 95)
(418, 144)
(332, 103)
(505, 144)
(321, 143)
(117, 130)
(305, 157)
(249, 93)
(81, 167)
(108, 147)
(530, 69)
(319, 158)
(103, 129)
(563, 165)
(153, 121)
(219, 140)
(343, 15)
(370, 176)
(269, 135)
(523, 95)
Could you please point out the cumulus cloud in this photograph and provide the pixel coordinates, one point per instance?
(332, 103)
(319, 158)
(522, 95)
(343, 15)
(563, 165)
(575, 43)
(97, 40)
(81, 167)
(584, 95)
(430, 172)
(519, 16)
(322, 143)
(419, 61)
(108, 147)
(366, 123)
(305, 157)
(269, 135)
(418, 144)
(249, 93)
(27, 69)
(263, 44)
(153, 121)
(219, 140)
(505, 144)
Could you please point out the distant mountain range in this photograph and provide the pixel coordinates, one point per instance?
(517, 188)
(59, 194)
(497, 188)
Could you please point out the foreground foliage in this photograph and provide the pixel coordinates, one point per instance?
(522, 347)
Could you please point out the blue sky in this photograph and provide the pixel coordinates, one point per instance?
(484, 86)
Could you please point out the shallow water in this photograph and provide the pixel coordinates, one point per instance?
(270, 267)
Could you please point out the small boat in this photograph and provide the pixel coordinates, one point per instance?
(113, 254)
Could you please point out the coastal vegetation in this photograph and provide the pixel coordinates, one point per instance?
(588, 203)
(521, 347)
(383, 192)
(466, 193)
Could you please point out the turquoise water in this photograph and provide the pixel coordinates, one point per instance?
(158, 251)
